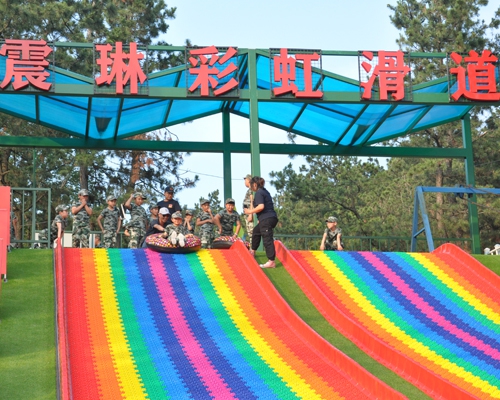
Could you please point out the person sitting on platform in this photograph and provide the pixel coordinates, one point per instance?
(176, 232)
(332, 238)
(159, 225)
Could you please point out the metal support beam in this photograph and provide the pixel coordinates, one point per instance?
(470, 179)
(254, 113)
(226, 155)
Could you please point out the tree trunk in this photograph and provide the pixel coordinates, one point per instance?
(84, 176)
(135, 171)
(4, 166)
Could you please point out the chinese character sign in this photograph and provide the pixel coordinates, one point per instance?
(120, 67)
(389, 69)
(478, 80)
(290, 75)
(212, 71)
(26, 64)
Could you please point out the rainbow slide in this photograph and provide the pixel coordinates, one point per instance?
(136, 324)
(433, 318)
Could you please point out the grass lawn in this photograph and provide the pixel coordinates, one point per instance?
(27, 348)
(27, 343)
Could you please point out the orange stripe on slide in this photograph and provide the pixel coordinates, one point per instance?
(269, 335)
(103, 363)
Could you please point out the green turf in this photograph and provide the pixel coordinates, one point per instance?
(27, 344)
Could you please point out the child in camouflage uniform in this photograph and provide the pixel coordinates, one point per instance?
(139, 220)
(81, 220)
(176, 232)
(332, 238)
(205, 221)
(227, 218)
(59, 224)
(112, 222)
(153, 211)
(248, 203)
(188, 222)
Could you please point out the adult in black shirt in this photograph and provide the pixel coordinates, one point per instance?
(169, 203)
(158, 225)
(264, 208)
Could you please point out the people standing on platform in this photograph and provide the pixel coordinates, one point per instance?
(81, 220)
(268, 219)
(226, 220)
(248, 203)
(59, 224)
(110, 223)
(139, 221)
(332, 237)
(169, 202)
(205, 221)
(188, 222)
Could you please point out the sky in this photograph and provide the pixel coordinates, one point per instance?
(318, 24)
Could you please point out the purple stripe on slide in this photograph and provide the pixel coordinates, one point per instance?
(428, 310)
(194, 352)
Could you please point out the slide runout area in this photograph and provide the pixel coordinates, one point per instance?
(142, 324)
(390, 305)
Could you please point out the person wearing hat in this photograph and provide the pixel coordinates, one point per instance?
(153, 213)
(81, 220)
(248, 203)
(205, 221)
(59, 223)
(112, 221)
(159, 225)
(139, 221)
(169, 202)
(226, 219)
(188, 221)
(332, 238)
(176, 232)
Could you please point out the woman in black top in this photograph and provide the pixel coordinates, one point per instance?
(264, 208)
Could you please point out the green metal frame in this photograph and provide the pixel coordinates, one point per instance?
(255, 96)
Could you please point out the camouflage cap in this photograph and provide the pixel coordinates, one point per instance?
(61, 207)
(189, 212)
(83, 192)
(111, 197)
(177, 214)
(230, 200)
(153, 206)
(247, 176)
(139, 194)
(331, 219)
(203, 201)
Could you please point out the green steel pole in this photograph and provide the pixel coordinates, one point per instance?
(226, 155)
(470, 180)
(33, 198)
(254, 113)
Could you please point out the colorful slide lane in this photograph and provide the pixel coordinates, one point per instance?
(139, 324)
(434, 318)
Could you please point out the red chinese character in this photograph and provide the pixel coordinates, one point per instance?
(481, 74)
(285, 72)
(206, 72)
(118, 69)
(390, 71)
(26, 59)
